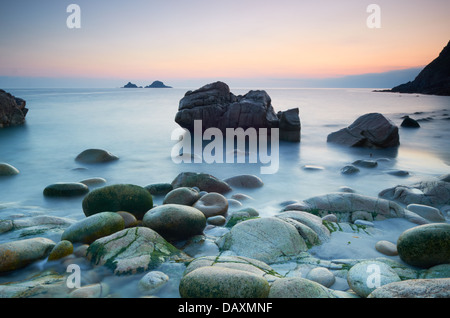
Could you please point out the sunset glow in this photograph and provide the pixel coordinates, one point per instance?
(203, 39)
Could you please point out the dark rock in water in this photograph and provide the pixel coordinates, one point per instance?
(95, 156)
(120, 197)
(12, 110)
(131, 85)
(157, 84)
(217, 107)
(434, 78)
(369, 131)
(408, 122)
(290, 125)
(70, 189)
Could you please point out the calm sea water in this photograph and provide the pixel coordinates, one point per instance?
(136, 125)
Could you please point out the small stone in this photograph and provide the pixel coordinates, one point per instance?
(322, 276)
(183, 196)
(428, 212)
(217, 220)
(245, 181)
(62, 249)
(212, 204)
(159, 189)
(128, 218)
(386, 248)
(152, 282)
(93, 181)
(7, 170)
(349, 170)
(366, 163)
(330, 218)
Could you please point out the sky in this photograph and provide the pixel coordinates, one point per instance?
(184, 40)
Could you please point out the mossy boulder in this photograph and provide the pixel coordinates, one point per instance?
(159, 189)
(175, 221)
(120, 197)
(66, 189)
(426, 245)
(221, 282)
(132, 251)
(62, 249)
(94, 227)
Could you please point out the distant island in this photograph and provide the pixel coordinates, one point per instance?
(155, 84)
(131, 85)
(434, 79)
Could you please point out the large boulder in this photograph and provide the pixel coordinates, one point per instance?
(369, 131)
(18, 254)
(132, 251)
(217, 107)
(221, 282)
(414, 288)
(426, 245)
(434, 193)
(12, 110)
(94, 227)
(345, 205)
(266, 239)
(120, 197)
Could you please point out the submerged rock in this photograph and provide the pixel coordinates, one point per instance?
(96, 156)
(7, 170)
(408, 122)
(368, 131)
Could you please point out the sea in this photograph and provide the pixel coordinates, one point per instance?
(137, 125)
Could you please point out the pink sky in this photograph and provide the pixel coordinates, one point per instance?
(197, 39)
